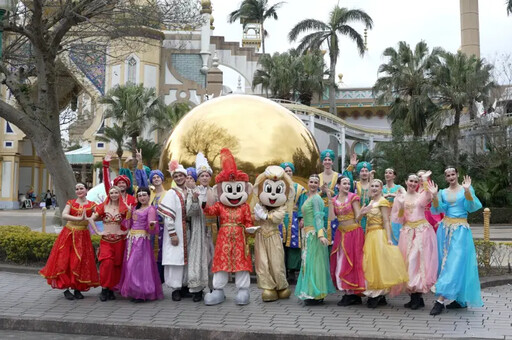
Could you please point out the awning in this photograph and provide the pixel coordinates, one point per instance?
(80, 156)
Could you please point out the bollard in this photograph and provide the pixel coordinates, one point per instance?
(487, 246)
(487, 223)
(44, 220)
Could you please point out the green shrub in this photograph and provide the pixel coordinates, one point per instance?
(19, 244)
(493, 258)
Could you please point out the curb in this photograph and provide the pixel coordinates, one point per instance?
(11, 268)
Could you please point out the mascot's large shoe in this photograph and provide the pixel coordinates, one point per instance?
(269, 295)
(284, 293)
(215, 297)
(242, 297)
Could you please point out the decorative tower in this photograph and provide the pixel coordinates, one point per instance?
(469, 27)
(206, 13)
(252, 34)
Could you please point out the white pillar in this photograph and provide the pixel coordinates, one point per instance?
(311, 125)
(343, 148)
(372, 145)
(205, 38)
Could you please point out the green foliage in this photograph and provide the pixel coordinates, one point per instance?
(19, 244)
(150, 151)
(165, 119)
(493, 257)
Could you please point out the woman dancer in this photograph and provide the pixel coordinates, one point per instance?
(347, 250)
(433, 219)
(383, 264)
(139, 278)
(417, 241)
(389, 192)
(290, 227)
(112, 212)
(314, 282)
(71, 264)
(328, 180)
(458, 269)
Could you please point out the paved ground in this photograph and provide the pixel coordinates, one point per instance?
(33, 218)
(21, 335)
(29, 304)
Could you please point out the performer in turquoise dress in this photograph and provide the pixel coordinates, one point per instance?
(328, 180)
(458, 268)
(389, 192)
(314, 282)
(289, 229)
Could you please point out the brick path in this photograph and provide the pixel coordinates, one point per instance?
(28, 303)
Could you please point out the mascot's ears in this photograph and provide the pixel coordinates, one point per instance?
(248, 188)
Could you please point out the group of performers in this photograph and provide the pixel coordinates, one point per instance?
(362, 237)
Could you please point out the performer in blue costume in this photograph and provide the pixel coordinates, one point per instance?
(458, 269)
(389, 192)
(290, 228)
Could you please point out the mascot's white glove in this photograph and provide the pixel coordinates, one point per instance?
(259, 212)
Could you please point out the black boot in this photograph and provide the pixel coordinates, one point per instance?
(68, 295)
(382, 300)
(78, 295)
(355, 300)
(343, 301)
(197, 296)
(185, 293)
(111, 295)
(104, 294)
(417, 302)
(176, 295)
(408, 304)
(455, 305)
(372, 302)
(437, 309)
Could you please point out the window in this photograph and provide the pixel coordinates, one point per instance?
(8, 144)
(8, 128)
(100, 145)
(359, 148)
(132, 70)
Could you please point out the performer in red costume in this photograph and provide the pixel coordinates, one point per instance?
(71, 263)
(231, 250)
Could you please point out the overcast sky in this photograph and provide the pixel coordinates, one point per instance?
(435, 21)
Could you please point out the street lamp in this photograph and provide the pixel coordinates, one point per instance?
(5, 5)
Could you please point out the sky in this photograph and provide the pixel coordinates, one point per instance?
(437, 22)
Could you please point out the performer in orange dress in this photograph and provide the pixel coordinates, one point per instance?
(71, 264)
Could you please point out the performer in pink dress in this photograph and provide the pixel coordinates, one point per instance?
(417, 240)
(346, 260)
(433, 219)
(140, 279)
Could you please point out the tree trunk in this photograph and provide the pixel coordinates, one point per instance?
(52, 153)
(332, 85)
(263, 38)
(456, 134)
(134, 153)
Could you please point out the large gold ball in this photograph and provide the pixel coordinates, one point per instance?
(258, 131)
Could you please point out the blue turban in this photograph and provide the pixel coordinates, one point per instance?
(327, 153)
(362, 165)
(153, 173)
(288, 164)
(192, 172)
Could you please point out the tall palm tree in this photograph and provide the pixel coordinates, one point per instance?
(459, 80)
(167, 117)
(310, 70)
(276, 75)
(150, 151)
(326, 33)
(509, 7)
(115, 134)
(406, 84)
(255, 11)
(134, 107)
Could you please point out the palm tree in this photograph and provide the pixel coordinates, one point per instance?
(310, 70)
(150, 151)
(509, 7)
(167, 117)
(134, 107)
(115, 134)
(459, 80)
(406, 84)
(327, 33)
(255, 11)
(276, 75)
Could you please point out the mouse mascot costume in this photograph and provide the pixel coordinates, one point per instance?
(274, 190)
(231, 253)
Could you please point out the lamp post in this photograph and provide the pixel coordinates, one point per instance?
(5, 6)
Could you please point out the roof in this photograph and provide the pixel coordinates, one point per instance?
(80, 156)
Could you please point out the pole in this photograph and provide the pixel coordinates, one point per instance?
(44, 220)
(487, 246)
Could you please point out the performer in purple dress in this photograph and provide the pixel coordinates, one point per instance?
(140, 279)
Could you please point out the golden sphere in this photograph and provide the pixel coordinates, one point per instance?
(258, 131)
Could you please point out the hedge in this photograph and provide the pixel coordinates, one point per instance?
(498, 216)
(19, 244)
